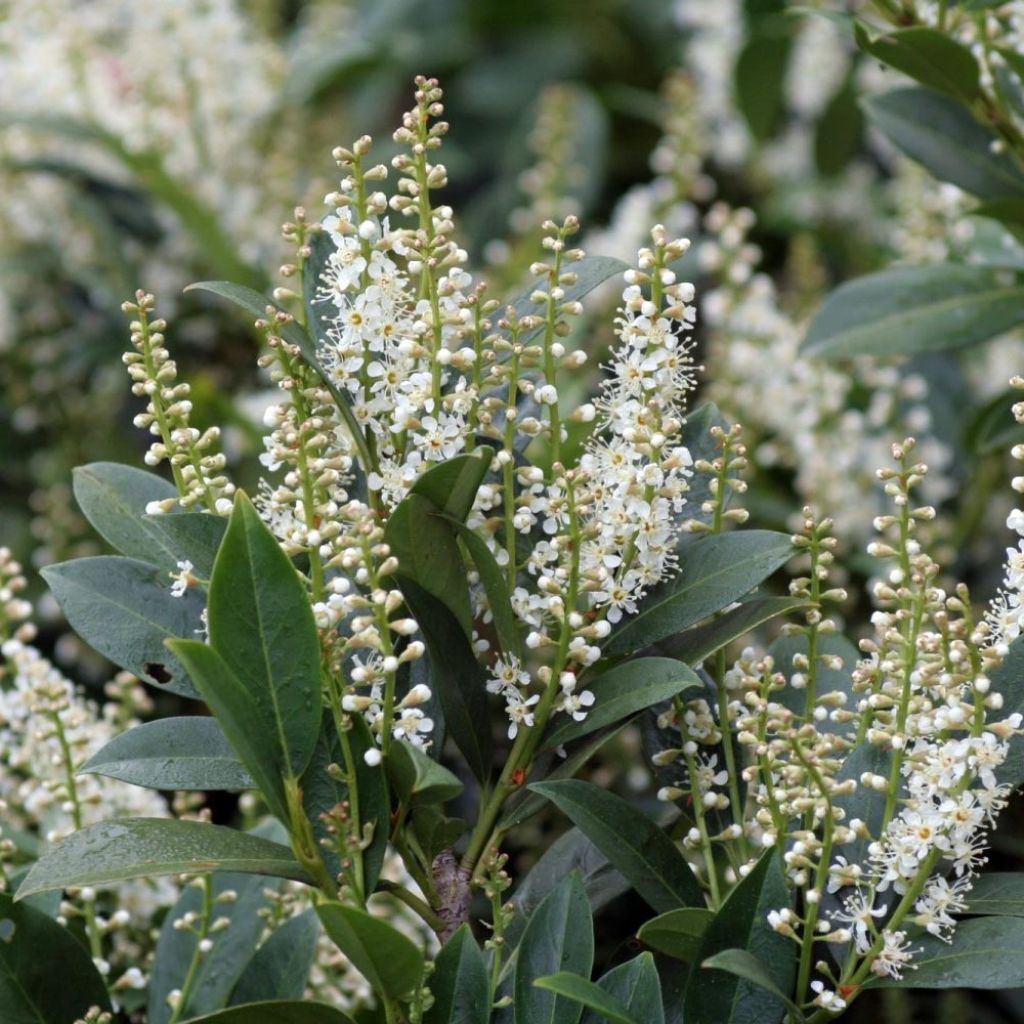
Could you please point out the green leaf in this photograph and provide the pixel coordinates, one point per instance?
(713, 997)
(457, 678)
(261, 624)
(281, 1011)
(385, 957)
(125, 610)
(696, 436)
(172, 753)
(114, 498)
(249, 727)
(829, 680)
(929, 56)
(451, 486)
(760, 81)
(321, 793)
(46, 974)
(746, 966)
(320, 313)
(459, 984)
(638, 847)
(429, 555)
(195, 536)
(623, 691)
(698, 643)
(222, 966)
(940, 134)
(998, 894)
(114, 851)
(559, 936)
(678, 933)
(839, 132)
(418, 779)
(495, 587)
(986, 953)
(714, 571)
(280, 968)
(994, 428)
(587, 994)
(1005, 679)
(916, 309)
(636, 986)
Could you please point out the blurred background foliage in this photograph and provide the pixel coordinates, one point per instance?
(151, 143)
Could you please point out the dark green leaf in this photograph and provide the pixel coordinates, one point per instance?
(698, 643)
(929, 56)
(939, 133)
(458, 681)
(495, 587)
(986, 953)
(760, 80)
(623, 691)
(636, 986)
(276, 1012)
(221, 967)
(1006, 677)
(114, 498)
(746, 966)
(559, 936)
(678, 933)
(998, 893)
(829, 680)
(257, 304)
(714, 571)
(460, 986)
(839, 132)
(321, 793)
(46, 975)
(125, 610)
(587, 994)
(916, 309)
(641, 850)
(713, 997)
(451, 486)
(385, 957)
(696, 436)
(994, 427)
(193, 536)
(114, 851)
(172, 753)
(261, 624)
(418, 779)
(280, 967)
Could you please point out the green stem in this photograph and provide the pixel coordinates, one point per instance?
(197, 954)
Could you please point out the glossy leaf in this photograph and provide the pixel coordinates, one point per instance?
(193, 536)
(746, 966)
(939, 133)
(417, 778)
(389, 961)
(713, 997)
(429, 556)
(125, 610)
(459, 984)
(1005, 679)
(916, 309)
(321, 792)
(451, 486)
(589, 995)
(280, 968)
(623, 691)
(278, 1011)
(929, 56)
(559, 936)
(714, 571)
(493, 580)
(987, 953)
(114, 851)
(220, 968)
(696, 436)
(262, 626)
(46, 974)
(678, 933)
(172, 753)
(113, 498)
(638, 847)
(256, 304)
(700, 642)
(635, 984)
(997, 893)
(456, 676)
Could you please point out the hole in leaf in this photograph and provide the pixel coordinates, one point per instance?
(6, 930)
(157, 672)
